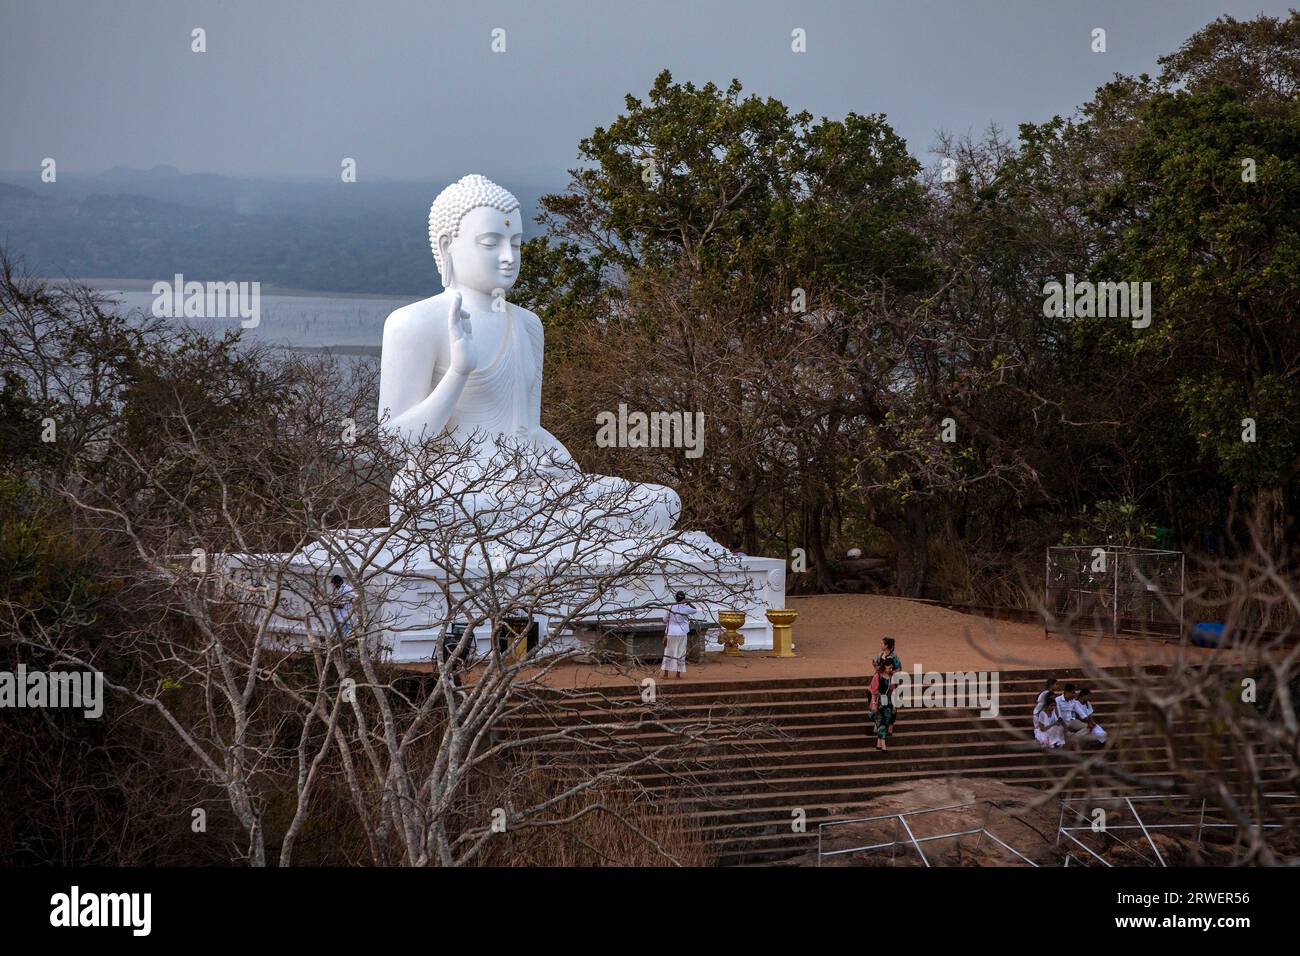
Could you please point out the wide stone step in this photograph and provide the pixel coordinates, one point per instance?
(779, 716)
(674, 688)
(865, 761)
(776, 752)
(1010, 695)
(737, 757)
(930, 731)
(788, 794)
(745, 785)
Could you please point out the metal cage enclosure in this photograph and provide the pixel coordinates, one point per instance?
(1115, 589)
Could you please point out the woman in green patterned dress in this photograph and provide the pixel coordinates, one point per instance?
(882, 705)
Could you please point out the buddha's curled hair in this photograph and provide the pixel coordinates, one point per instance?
(468, 192)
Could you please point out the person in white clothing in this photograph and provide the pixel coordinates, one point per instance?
(1049, 690)
(1083, 709)
(677, 626)
(341, 606)
(1067, 708)
(1048, 729)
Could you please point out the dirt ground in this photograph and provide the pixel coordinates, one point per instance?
(1025, 819)
(838, 634)
(1018, 816)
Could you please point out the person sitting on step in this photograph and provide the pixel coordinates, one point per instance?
(1067, 708)
(1049, 731)
(882, 705)
(1049, 690)
(1083, 708)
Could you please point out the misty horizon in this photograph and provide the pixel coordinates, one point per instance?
(413, 92)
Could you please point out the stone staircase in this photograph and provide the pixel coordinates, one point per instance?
(760, 751)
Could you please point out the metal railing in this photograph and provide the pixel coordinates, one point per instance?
(900, 822)
(1200, 825)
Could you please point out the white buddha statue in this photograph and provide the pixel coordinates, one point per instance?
(468, 362)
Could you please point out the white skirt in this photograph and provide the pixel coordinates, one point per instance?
(1053, 736)
(675, 654)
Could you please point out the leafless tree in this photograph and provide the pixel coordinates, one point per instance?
(235, 538)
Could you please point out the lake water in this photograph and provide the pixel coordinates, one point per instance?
(349, 324)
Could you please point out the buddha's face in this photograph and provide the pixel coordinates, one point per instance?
(484, 255)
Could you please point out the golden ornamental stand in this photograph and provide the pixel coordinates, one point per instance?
(782, 620)
(731, 622)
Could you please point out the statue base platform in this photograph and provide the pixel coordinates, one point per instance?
(407, 594)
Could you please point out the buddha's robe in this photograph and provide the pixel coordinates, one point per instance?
(499, 410)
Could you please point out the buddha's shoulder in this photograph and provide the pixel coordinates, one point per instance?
(528, 317)
(417, 317)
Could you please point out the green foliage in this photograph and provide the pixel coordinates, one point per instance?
(20, 425)
(1152, 178)
(1119, 522)
(45, 564)
(564, 287)
(725, 185)
(1205, 204)
(701, 203)
(1258, 455)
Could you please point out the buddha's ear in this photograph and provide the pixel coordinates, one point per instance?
(444, 247)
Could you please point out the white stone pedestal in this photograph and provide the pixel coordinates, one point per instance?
(413, 616)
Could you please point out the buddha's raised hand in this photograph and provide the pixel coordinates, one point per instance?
(464, 358)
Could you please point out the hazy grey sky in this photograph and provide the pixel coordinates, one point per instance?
(411, 88)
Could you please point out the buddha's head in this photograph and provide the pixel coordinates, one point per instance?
(475, 229)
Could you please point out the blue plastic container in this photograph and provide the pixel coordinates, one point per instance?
(1210, 634)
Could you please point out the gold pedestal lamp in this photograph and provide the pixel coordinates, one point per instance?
(782, 620)
(731, 622)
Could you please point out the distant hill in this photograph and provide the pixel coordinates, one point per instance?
(149, 224)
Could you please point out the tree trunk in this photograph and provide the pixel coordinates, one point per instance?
(911, 536)
(815, 539)
(1271, 519)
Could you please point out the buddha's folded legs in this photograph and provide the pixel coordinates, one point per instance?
(544, 503)
(648, 508)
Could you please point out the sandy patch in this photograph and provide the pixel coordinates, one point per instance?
(838, 634)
